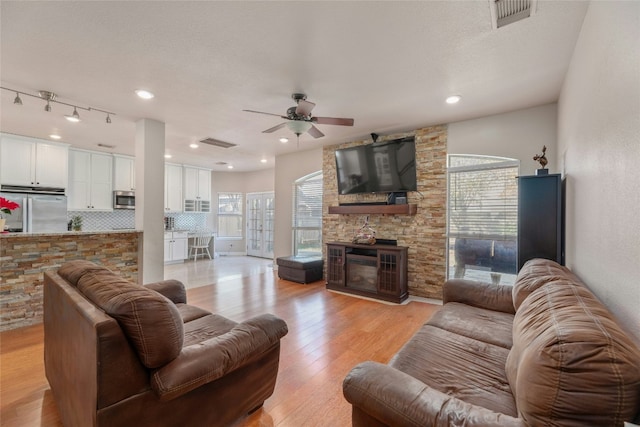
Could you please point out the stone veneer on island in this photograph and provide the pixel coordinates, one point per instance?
(25, 257)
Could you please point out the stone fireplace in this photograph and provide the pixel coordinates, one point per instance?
(423, 233)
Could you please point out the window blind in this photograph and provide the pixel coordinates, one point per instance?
(230, 215)
(307, 210)
(483, 197)
(307, 215)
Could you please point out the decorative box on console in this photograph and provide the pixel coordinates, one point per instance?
(301, 269)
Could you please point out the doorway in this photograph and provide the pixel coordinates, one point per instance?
(260, 209)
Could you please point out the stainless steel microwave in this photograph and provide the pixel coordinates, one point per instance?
(124, 200)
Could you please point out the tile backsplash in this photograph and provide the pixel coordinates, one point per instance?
(125, 218)
(182, 221)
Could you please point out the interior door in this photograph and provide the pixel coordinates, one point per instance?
(260, 208)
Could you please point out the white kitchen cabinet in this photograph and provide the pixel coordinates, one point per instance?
(172, 188)
(90, 181)
(197, 190)
(176, 245)
(124, 173)
(29, 162)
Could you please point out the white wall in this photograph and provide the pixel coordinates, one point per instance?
(599, 138)
(259, 181)
(517, 134)
(289, 168)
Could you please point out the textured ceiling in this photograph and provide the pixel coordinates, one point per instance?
(388, 65)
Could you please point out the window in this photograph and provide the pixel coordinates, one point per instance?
(482, 218)
(307, 215)
(230, 215)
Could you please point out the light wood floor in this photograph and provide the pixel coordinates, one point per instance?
(329, 333)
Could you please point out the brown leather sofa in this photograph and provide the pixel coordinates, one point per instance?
(544, 352)
(121, 354)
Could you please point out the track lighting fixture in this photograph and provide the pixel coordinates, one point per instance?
(50, 97)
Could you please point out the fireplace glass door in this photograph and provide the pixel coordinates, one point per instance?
(362, 272)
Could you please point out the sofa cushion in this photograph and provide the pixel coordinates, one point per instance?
(72, 271)
(206, 327)
(493, 327)
(570, 362)
(468, 369)
(536, 273)
(191, 312)
(150, 321)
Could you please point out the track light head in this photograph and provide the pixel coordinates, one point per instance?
(74, 117)
(47, 107)
(17, 99)
(108, 119)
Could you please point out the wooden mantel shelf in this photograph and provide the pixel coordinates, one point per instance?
(407, 209)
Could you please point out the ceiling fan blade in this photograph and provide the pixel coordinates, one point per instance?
(332, 121)
(275, 128)
(315, 132)
(269, 114)
(304, 108)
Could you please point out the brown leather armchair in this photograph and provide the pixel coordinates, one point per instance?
(121, 354)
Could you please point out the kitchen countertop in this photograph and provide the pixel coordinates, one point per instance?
(69, 233)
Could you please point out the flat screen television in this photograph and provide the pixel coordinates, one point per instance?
(384, 167)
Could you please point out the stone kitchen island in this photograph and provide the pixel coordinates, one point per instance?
(25, 257)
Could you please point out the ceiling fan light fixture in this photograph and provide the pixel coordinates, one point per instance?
(17, 99)
(298, 126)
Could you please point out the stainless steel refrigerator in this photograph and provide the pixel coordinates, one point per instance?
(42, 210)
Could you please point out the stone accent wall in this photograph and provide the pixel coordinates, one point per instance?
(25, 257)
(424, 233)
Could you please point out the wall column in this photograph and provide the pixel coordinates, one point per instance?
(150, 198)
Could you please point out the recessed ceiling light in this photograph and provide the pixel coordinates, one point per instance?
(193, 145)
(144, 94)
(263, 161)
(284, 140)
(54, 136)
(167, 156)
(453, 99)
(230, 167)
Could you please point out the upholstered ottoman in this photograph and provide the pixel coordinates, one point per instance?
(301, 269)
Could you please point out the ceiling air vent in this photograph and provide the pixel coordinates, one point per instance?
(504, 12)
(217, 143)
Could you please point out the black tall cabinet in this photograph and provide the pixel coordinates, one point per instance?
(540, 218)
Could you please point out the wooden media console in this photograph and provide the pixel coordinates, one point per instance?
(375, 271)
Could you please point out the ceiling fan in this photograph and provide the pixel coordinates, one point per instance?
(300, 120)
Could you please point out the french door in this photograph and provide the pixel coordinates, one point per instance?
(260, 208)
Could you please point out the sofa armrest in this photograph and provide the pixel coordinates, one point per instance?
(211, 359)
(398, 399)
(478, 294)
(172, 289)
